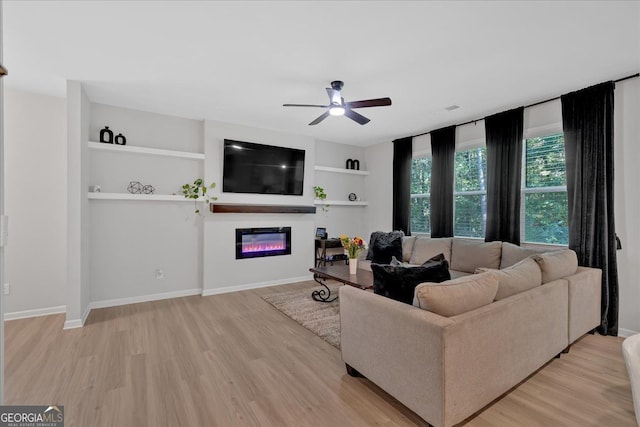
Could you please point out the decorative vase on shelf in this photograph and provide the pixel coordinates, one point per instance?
(353, 266)
(120, 139)
(106, 135)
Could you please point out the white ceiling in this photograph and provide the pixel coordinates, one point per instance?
(238, 62)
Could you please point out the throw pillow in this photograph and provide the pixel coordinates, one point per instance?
(426, 247)
(387, 245)
(374, 238)
(467, 255)
(398, 282)
(394, 262)
(518, 278)
(512, 254)
(457, 296)
(407, 247)
(556, 265)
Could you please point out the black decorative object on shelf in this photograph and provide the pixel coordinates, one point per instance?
(106, 135)
(353, 164)
(120, 139)
(353, 197)
(135, 187)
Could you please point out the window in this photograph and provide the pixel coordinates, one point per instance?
(420, 192)
(544, 192)
(470, 193)
(544, 217)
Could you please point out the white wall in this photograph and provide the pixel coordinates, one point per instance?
(379, 187)
(78, 291)
(36, 175)
(627, 201)
(132, 239)
(222, 272)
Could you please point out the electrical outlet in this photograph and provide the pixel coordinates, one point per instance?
(159, 274)
(7, 289)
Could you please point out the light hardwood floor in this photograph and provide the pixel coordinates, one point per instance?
(234, 360)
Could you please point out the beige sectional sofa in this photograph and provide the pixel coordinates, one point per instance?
(445, 368)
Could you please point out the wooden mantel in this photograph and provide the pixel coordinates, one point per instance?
(244, 208)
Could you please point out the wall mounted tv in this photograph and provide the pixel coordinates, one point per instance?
(262, 169)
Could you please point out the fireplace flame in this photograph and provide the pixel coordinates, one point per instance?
(263, 247)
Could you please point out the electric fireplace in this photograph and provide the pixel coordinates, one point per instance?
(261, 242)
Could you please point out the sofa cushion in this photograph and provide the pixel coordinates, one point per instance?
(407, 247)
(556, 265)
(457, 296)
(382, 246)
(512, 254)
(425, 248)
(518, 278)
(467, 255)
(398, 282)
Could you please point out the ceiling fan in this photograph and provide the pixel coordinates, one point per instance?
(337, 106)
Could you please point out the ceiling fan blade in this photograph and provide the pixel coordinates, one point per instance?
(378, 102)
(320, 118)
(305, 105)
(356, 117)
(334, 96)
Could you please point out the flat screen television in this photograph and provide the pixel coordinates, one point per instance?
(262, 169)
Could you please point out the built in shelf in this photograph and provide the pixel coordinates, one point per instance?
(340, 203)
(144, 150)
(244, 208)
(146, 197)
(340, 170)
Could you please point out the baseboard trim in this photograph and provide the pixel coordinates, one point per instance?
(72, 324)
(143, 298)
(626, 332)
(85, 314)
(15, 315)
(227, 289)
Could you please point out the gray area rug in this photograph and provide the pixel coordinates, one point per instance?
(323, 319)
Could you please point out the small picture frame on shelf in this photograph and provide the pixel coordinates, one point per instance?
(321, 233)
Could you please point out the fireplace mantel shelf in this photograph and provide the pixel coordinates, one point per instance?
(246, 208)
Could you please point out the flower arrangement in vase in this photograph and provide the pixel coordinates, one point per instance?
(353, 246)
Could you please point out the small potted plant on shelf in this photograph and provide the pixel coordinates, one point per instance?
(198, 190)
(322, 196)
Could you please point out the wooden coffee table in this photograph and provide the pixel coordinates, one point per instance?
(363, 279)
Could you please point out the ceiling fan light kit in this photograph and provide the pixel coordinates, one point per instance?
(336, 111)
(337, 106)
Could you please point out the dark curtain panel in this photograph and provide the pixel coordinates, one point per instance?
(587, 120)
(504, 133)
(402, 151)
(443, 149)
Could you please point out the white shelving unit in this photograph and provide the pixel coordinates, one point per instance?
(340, 203)
(115, 148)
(351, 172)
(339, 170)
(145, 197)
(145, 150)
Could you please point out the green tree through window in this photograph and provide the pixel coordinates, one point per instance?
(545, 191)
(470, 193)
(420, 191)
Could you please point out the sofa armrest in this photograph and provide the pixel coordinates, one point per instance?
(585, 292)
(397, 346)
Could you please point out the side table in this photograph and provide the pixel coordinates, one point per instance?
(321, 246)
